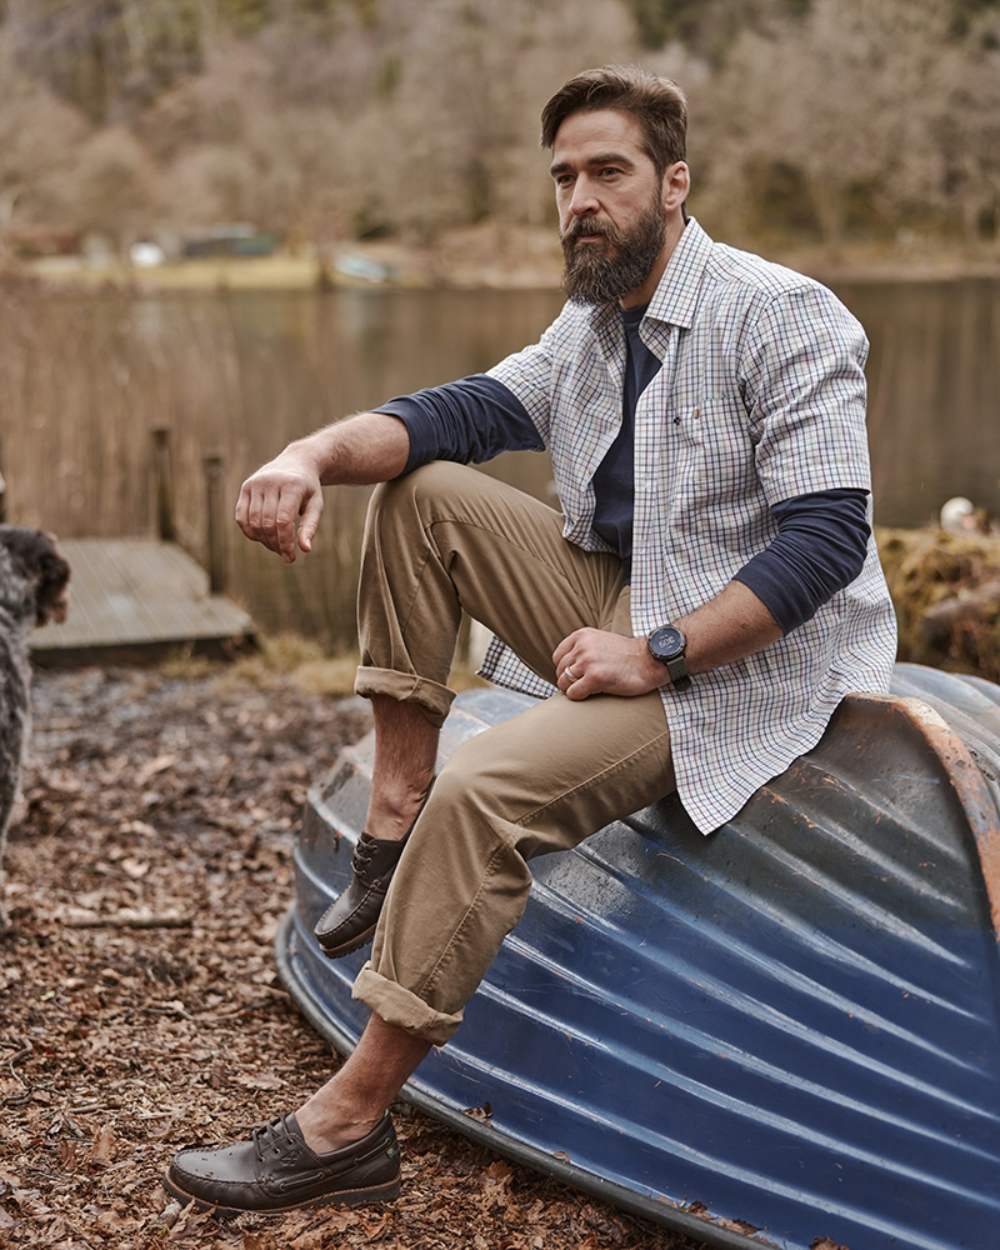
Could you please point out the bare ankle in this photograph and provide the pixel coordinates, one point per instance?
(393, 815)
(327, 1122)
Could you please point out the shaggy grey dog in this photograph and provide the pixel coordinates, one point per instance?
(33, 580)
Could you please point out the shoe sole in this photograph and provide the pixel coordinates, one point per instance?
(346, 948)
(346, 1198)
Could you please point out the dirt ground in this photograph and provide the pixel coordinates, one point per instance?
(140, 1009)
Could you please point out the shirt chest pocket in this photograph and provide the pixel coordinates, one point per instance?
(713, 452)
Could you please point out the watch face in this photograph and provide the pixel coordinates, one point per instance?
(667, 642)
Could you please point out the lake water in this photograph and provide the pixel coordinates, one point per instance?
(84, 379)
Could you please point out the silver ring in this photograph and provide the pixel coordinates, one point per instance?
(569, 672)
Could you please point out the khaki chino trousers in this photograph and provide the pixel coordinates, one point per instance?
(437, 540)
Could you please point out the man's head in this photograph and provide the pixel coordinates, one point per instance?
(618, 138)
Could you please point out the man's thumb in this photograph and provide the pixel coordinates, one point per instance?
(311, 514)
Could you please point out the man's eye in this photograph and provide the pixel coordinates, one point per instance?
(563, 180)
(610, 172)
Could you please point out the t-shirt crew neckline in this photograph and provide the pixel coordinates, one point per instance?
(632, 316)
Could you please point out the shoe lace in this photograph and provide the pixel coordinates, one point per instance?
(273, 1137)
(363, 852)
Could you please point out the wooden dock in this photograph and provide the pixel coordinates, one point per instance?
(138, 599)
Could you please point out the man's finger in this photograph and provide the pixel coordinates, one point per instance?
(565, 646)
(284, 523)
(256, 520)
(269, 518)
(571, 671)
(254, 512)
(580, 688)
(312, 510)
(242, 506)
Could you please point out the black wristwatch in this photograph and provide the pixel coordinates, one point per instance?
(668, 644)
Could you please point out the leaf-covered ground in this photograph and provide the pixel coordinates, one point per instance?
(139, 1004)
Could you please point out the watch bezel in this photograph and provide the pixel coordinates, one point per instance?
(667, 643)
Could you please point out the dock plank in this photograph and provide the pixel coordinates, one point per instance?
(133, 593)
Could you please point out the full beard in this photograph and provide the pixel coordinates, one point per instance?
(598, 273)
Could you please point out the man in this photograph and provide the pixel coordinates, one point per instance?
(708, 596)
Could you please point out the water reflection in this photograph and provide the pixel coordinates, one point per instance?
(242, 374)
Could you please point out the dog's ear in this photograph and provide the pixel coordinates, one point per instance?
(53, 578)
(35, 561)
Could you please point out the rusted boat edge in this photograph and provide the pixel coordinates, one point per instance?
(965, 778)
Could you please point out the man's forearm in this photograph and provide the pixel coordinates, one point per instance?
(732, 625)
(370, 447)
(281, 504)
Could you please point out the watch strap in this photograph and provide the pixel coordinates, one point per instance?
(680, 678)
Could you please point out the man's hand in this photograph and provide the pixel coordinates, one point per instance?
(281, 495)
(593, 661)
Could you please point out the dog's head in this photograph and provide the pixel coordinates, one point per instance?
(34, 576)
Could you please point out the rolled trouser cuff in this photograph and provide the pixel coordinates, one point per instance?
(433, 699)
(402, 1008)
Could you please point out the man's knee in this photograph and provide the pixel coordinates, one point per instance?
(465, 779)
(428, 482)
(486, 777)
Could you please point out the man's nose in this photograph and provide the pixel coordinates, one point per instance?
(584, 200)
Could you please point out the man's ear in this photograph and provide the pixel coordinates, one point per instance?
(676, 185)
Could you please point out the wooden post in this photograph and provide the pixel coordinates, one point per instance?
(164, 485)
(213, 530)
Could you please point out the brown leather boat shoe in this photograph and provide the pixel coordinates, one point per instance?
(349, 922)
(276, 1171)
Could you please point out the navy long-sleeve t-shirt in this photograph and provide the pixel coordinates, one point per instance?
(822, 538)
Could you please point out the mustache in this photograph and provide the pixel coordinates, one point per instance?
(582, 226)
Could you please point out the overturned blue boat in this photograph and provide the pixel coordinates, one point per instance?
(785, 1034)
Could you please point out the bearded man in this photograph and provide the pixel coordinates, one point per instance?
(691, 619)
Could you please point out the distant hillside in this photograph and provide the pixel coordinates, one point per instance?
(320, 120)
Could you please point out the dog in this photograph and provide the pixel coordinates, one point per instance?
(33, 590)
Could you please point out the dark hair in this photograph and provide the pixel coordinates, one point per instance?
(36, 558)
(658, 104)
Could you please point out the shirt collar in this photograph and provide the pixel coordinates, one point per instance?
(676, 294)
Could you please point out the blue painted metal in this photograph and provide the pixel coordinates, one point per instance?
(783, 1032)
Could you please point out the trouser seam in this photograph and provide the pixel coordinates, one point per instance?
(427, 984)
(605, 772)
(404, 620)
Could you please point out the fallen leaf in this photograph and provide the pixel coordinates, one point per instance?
(262, 1080)
(153, 767)
(483, 1113)
(140, 827)
(102, 1150)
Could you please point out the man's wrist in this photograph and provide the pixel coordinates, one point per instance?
(311, 454)
(655, 673)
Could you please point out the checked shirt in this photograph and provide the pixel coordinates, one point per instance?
(760, 397)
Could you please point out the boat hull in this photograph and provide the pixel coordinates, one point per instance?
(784, 1032)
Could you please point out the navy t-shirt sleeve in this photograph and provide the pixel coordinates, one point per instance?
(471, 421)
(820, 548)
